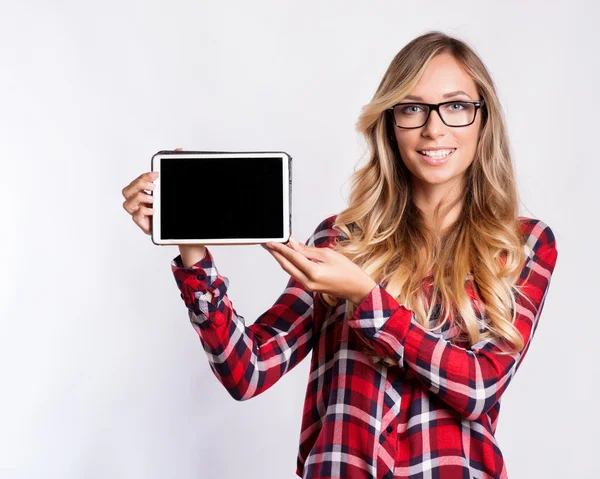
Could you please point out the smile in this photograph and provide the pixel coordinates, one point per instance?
(436, 157)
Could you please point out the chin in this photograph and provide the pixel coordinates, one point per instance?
(439, 180)
(435, 176)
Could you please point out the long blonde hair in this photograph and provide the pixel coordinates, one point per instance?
(386, 234)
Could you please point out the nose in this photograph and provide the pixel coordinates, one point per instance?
(434, 126)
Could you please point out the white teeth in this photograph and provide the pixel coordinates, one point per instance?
(437, 153)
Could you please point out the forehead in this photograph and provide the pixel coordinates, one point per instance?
(444, 75)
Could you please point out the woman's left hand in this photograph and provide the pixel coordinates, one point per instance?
(330, 272)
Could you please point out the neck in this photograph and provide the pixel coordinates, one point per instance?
(427, 196)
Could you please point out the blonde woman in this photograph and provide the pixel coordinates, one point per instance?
(418, 301)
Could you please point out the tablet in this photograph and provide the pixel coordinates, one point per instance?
(221, 197)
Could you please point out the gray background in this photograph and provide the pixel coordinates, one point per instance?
(102, 375)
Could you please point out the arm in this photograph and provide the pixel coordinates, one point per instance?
(248, 359)
(469, 380)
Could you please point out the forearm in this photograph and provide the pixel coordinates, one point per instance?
(191, 254)
(470, 380)
(246, 359)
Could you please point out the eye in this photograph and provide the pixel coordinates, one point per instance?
(457, 106)
(408, 109)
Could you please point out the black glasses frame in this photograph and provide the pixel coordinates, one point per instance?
(435, 107)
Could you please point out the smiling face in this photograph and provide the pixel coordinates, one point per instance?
(443, 76)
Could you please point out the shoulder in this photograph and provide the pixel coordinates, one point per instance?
(539, 244)
(537, 233)
(325, 233)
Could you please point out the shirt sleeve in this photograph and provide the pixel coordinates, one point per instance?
(469, 380)
(248, 359)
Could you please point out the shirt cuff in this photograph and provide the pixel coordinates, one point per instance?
(381, 319)
(194, 282)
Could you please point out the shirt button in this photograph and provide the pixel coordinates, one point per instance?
(389, 429)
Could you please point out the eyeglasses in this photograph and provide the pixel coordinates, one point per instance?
(452, 113)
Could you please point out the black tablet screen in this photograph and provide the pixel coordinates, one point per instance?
(221, 198)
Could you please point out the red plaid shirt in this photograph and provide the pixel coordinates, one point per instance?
(435, 415)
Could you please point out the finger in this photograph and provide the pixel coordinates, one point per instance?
(132, 204)
(142, 217)
(311, 252)
(142, 212)
(177, 149)
(289, 267)
(144, 182)
(300, 261)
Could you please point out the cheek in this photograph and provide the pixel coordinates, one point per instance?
(471, 134)
(467, 140)
(407, 141)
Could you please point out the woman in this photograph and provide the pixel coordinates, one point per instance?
(418, 301)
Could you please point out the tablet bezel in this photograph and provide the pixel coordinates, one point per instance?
(286, 161)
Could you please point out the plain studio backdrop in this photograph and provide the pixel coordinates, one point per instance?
(102, 374)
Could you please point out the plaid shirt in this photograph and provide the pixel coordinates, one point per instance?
(435, 415)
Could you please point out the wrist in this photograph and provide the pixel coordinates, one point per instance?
(191, 254)
(363, 290)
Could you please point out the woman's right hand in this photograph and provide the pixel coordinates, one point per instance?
(138, 204)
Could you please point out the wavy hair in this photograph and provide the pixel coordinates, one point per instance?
(386, 233)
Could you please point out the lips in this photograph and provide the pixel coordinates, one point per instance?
(439, 158)
(437, 150)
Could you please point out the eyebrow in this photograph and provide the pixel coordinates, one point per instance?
(446, 95)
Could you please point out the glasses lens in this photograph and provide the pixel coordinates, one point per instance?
(414, 115)
(458, 113)
(410, 115)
